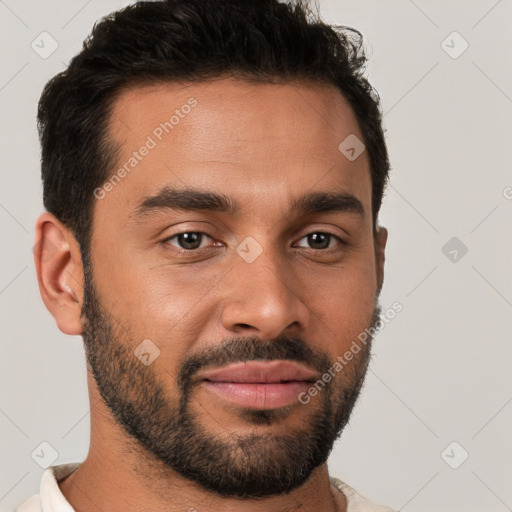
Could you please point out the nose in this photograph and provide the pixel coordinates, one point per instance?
(263, 297)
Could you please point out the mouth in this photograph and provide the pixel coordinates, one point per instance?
(259, 385)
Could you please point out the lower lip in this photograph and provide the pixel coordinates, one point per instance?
(258, 396)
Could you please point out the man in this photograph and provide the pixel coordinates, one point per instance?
(213, 172)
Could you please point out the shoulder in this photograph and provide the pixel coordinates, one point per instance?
(355, 501)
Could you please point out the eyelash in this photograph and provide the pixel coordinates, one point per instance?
(197, 251)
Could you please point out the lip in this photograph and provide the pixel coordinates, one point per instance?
(265, 372)
(259, 385)
(258, 396)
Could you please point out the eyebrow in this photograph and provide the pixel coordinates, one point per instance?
(195, 200)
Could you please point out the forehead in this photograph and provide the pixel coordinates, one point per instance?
(256, 140)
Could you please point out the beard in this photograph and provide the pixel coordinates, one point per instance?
(168, 429)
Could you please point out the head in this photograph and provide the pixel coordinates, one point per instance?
(212, 174)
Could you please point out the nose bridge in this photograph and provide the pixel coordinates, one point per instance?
(262, 292)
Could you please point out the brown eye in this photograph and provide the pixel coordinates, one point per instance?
(320, 240)
(188, 241)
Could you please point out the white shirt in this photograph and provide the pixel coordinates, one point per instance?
(51, 499)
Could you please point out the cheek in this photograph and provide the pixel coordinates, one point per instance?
(173, 304)
(344, 299)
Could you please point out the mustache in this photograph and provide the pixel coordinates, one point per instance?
(242, 350)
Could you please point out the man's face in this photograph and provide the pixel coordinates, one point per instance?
(261, 282)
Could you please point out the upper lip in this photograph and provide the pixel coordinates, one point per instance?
(259, 371)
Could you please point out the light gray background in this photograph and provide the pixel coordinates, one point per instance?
(441, 368)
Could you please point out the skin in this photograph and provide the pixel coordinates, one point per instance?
(261, 144)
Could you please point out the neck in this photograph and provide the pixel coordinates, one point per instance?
(94, 487)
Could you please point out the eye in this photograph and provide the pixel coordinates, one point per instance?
(188, 240)
(320, 240)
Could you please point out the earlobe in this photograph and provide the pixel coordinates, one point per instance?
(381, 238)
(59, 272)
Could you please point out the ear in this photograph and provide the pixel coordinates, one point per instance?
(380, 238)
(59, 272)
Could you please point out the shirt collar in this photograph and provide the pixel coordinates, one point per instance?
(50, 494)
